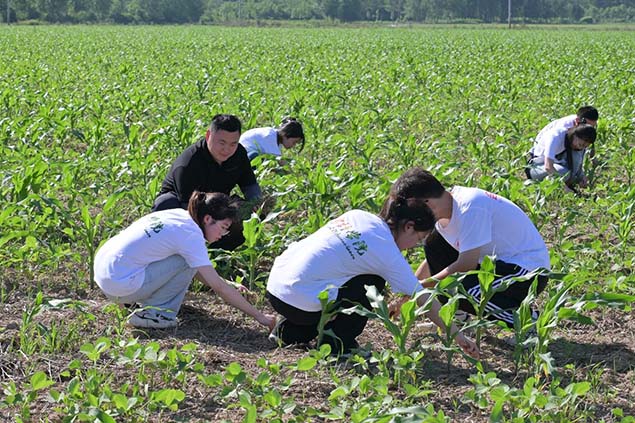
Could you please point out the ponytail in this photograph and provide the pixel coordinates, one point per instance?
(292, 128)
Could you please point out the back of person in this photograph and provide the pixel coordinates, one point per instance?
(120, 263)
(356, 243)
(512, 236)
(259, 141)
(557, 129)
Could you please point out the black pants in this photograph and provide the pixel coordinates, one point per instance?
(502, 305)
(229, 242)
(302, 326)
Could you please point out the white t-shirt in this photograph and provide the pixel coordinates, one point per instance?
(261, 141)
(356, 243)
(121, 262)
(550, 140)
(496, 226)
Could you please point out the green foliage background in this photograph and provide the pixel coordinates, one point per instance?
(90, 113)
(92, 117)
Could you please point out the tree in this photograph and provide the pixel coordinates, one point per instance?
(53, 10)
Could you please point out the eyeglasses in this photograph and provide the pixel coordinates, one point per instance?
(223, 230)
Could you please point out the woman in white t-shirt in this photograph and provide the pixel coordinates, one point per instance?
(261, 141)
(560, 148)
(356, 249)
(152, 262)
(562, 153)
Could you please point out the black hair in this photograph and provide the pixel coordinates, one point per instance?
(583, 131)
(407, 200)
(397, 211)
(417, 182)
(229, 123)
(292, 128)
(587, 113)
(216, 204)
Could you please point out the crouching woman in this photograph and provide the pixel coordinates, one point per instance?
(356, 249)
(152, 262)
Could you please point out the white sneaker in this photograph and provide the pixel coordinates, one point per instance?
(275, 335)
(151, 319)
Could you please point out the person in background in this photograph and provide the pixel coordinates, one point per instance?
(354, 250)
(560, 148)
(215, 163)
(152, 262)
(268, 140)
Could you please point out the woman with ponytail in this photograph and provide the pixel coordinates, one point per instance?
(152, 262)
(348, 253)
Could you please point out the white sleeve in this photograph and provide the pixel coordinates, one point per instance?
(476, 229)
(194, 250)
(554, 143)
(398, 274)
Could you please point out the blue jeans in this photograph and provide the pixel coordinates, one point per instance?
(537, 170)
(165, 284)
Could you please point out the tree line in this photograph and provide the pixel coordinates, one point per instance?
(219, 11)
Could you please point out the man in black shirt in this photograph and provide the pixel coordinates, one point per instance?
(216, 163)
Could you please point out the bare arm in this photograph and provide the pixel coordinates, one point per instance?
(209, 276)
(549, 166)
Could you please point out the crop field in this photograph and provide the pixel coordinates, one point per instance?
(91, 119)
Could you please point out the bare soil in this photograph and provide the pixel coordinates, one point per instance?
(603, 354)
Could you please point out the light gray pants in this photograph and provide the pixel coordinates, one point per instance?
(164, 286)
(538, 172)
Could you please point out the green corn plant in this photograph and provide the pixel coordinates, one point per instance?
(625, 222)
(486, 276)
(328, 311)
(253, 249)
(402, 364)
(550, 403)
(409, 313)
(87, 233)
(446, 314)
(552, 311)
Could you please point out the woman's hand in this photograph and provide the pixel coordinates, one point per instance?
(468, 346)
(268, 320)
(394, 307)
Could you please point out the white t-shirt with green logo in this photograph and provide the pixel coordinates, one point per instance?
(261, 141)
(121, 262)
(356, 243)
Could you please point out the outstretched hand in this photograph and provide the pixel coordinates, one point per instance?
(468, 346)
(269, 321)
(394, 307)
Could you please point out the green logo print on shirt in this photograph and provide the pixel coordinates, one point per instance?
(345, 233)
(154, 225)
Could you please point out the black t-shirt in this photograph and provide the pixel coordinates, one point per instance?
(196, 169)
